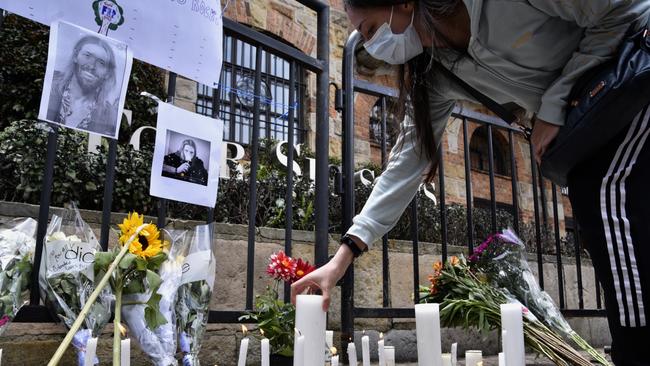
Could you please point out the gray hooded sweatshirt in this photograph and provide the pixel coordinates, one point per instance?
(530, 52)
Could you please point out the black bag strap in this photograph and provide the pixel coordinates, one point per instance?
(495, 107)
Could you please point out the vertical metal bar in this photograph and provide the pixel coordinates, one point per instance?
(416, 249)
(542, 197)
(162, 203)
(538, 237)
(576, 241)
(558, 248)
(210, 215)
(108, 193)
(443, 205)
(515, 182)
(322, 137)
(468, 188)
(2, 17)
(599, 304)
(347, 287)
(493, 198)
(289, 193)
(385, 261)
(43, 213)
(252, 182)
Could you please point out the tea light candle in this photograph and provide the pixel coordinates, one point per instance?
(365, 350)
(243, 348)
(427, 326)
(329, 338)
(446, 359)
(389, 355)
(265, 351)
(502, 359)
(472, 358)
(335, 360)
(380, 349)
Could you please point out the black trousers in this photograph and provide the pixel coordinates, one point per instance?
(610, 196)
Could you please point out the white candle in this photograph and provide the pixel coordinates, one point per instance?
(329, 338)
(389, 355)
(380, 351)
(502, 359)
(513, 341)
(125, 352)
(504, 346)
(91, 350)
(446, 359)
(454, 354)
(427, 326)
(299, 350)
(352, 354)
(310, 320)
(0, 356)
(243, 352)
(472, 358)
(365, 350)
(265, 352)
(335, 361)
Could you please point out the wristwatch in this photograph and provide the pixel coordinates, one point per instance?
(356, 251)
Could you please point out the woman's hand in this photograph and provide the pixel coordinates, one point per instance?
(325, 277)
(543, 134)
(183, 168)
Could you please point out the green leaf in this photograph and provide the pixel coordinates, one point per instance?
(103, 259)
(155, 261)
(140, 264)
(153, 317)
(127, 260)
(154, 280)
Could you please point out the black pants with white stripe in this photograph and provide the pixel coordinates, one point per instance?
(610, 196)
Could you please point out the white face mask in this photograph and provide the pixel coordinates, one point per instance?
(395, 49)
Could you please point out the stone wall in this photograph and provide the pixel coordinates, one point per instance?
(33, 344)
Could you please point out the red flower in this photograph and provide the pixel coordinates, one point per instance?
(302, 269)
(281, 267)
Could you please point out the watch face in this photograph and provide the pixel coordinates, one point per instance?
(246, 92)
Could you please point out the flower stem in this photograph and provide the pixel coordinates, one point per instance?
(91, 300)
(116, 321)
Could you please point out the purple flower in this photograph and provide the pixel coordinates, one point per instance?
(4, 320)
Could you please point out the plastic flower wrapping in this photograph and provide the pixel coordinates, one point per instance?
(67, 277)
(16, 252)
(195, 293)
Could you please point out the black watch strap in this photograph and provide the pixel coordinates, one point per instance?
(346, 240)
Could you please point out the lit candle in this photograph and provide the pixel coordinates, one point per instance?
(335, 358)
(446, 359)
(513, 339)
(365, 350)
(311, 319)
(502, 359)
(299, 349)
(243, 348)
(472, 358)
(265, 350)
(389, 355)
(427, 326)
(329, 338)
(352, 354)
(454, 354)
(125, 352)
(380, 349)
(91, 350)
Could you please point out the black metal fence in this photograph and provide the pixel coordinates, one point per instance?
(349, 311)
(319, 65)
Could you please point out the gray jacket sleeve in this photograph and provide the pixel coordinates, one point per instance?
(398, 184)
(605, 23)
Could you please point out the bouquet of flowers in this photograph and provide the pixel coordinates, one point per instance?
(67, 278)
(502, 257)
(16, 251)
(276, 319)
(195, 293)
(468, 299)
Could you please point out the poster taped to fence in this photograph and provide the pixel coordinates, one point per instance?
(183, 36)
(85, 80)
(187, 156)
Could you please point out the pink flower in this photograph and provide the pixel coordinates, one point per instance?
(4, 320)
(302, 269)
(281, 267)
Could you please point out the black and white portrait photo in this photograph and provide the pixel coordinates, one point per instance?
(187, 158)
(85, 81)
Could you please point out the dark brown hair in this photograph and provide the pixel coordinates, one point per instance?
(412, 77)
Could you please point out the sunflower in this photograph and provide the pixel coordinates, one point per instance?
(147, 243)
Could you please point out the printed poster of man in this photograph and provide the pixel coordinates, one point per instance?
(187, 156)
(85, 81)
